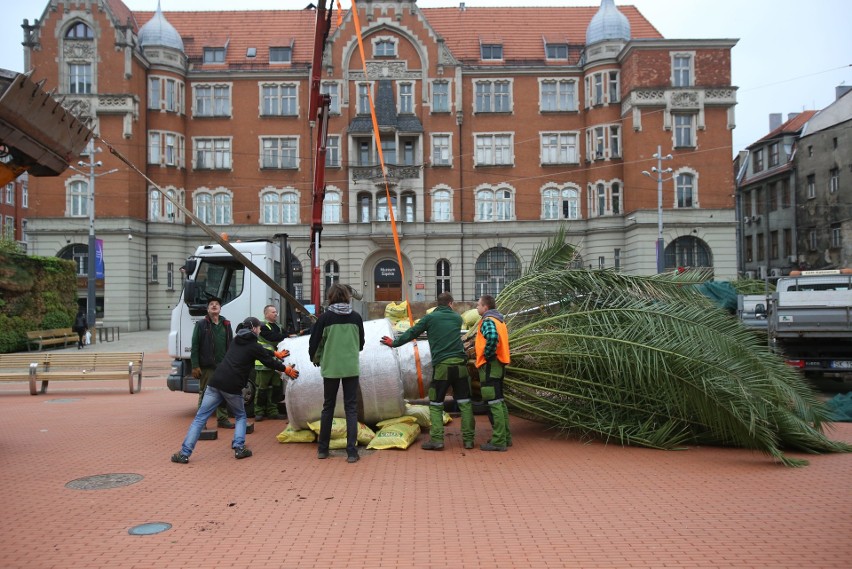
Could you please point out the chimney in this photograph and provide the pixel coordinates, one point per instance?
(462, 7)
(841, 90)
(774, 121)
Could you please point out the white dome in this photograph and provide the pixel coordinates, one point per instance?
(608, 24)
(159, 32)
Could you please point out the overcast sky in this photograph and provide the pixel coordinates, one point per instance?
(790, 56)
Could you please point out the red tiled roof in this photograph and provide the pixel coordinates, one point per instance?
(792, 126)
(122, 13)
(461, 29)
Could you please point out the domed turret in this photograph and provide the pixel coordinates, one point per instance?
(159, 32)
(608, 24)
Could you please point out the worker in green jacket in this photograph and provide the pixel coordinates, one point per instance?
(449, 369)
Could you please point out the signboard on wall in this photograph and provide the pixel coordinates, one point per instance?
(387, 272)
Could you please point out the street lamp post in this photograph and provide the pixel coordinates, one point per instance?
(658, 170)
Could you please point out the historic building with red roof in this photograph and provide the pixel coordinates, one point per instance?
(497, 126)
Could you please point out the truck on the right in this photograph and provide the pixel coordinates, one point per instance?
(809, 321)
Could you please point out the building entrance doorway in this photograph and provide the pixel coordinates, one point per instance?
(388, 279)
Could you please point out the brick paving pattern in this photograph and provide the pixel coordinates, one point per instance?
(548, 502)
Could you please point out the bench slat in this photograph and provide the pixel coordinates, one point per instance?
(55, 366)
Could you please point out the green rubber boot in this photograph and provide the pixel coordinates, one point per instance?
(468, 422)
(261, 403)
(500, 431)
(436, 417)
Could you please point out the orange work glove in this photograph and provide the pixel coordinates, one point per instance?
(196, 372)
(387, 341)
(291, 372)
(282, 354)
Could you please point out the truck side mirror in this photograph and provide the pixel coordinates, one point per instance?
(760, 310)
(190, 290)
(189, 267)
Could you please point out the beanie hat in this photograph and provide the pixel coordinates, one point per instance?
(251, 322)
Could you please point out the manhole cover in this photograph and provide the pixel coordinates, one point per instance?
(104, 481)
(65, 400)
(149, 529)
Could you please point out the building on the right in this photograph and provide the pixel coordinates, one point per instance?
(824, 187)
(794, 193)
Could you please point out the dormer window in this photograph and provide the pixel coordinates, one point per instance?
(557, 50)
(280, 54)
(491, 51)
(214, 55)
(79, 31)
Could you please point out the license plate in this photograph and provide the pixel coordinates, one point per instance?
(842, 364)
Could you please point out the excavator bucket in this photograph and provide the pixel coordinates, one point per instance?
(37, 134)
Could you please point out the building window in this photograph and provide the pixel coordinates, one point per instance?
(79, 31)
(155, 269)
(382, 213)
(171, 95)
(687, 252)
(614, 83)
(155, 205)
(559, 204)
(212, 101)
(786, 194)
(493, 97)
(204, 207)
(685, 187)
(365, 152)
(494, 205)
(684, 129)
(406, 98)
(836, 236)
(279, 100)
(773, 244)
(214, 55)
(494, 150)
(812, 239)
(440, 97)
(79, 78)
(364, 98)
(78, 198)
(280, 208)
(761, 246)
(331, 270)
(384, 48)
(614, 141)
(170, 276)
(222, 209)
(333, 92)
(331, 207)
(788, 244)
(559, 148)
(409, 207)
(441, 155)
(25, 195)
(332, 152)
(10, 193)
(615, 198)
(280, 54)
(772, 197)
(279, 153)
(811, 186)
(682, 71)
(556, 51)
(389, 150)
(494, 269)
(757, 160)
(154, 139)
(154, 93)
(558, 95)
(491, 52)
(616, 259)
(212, 154)
(442, 276)
(365, 205)
(441, 205)
(833, 180)
(773, 154)
(600, 192)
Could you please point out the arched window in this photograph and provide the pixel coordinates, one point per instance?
(601, 197)
(79, 31)
(441, 205)
(687, 252)
(270, 208)
(332, 275)
(78, 198)
(570, 204)
(685, 187)
(504, 210)
(560, 204)
(154, 205)
(204, 207)
(79, 253)
(382, 213)
(365, 204)
(494, 205)
(331, 207)
(169, 206)
(616, 198)
(408, 206)
(495, 268)
(484, 205)
(290, 207)
(222, 209)
(442, 276)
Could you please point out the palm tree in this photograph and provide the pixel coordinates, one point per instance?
(649, 361)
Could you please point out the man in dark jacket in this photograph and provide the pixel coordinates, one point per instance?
(211, 339)
(227, 384)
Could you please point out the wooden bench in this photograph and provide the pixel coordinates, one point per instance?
(56, 366)
(82, 366)
(54, 337)
(17, 367)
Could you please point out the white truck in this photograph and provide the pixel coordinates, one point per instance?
(213, 271)
(809, 318)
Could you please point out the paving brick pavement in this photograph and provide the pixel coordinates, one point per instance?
(548, 502)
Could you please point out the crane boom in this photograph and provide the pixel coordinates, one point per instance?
(318, 117)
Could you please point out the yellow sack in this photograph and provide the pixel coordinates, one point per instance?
(419, 412)
(290, 435)
(397, 435)
(334, 444)
(402, 325)
(470, 318)
(395, 420)
(447, 418)
(338, 427)
(396, 311)
(365, 434)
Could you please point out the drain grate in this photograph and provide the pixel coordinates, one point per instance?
(150, 528)
(104, 481)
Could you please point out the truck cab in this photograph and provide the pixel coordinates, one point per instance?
(214, 272)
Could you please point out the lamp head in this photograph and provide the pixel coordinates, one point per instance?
(99, 163)
(80, 163)
(646, 173)
(654, 169)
